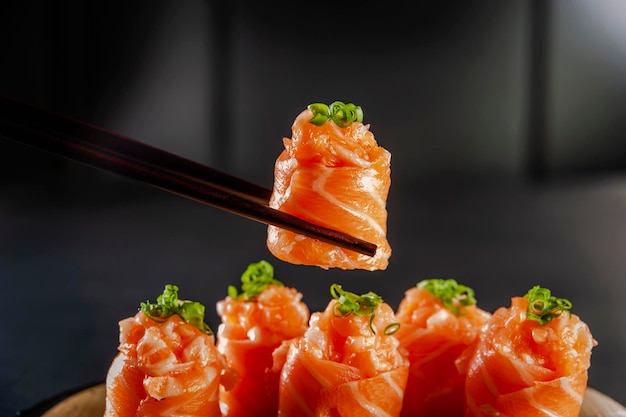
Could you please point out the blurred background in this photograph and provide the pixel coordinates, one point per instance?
(506, 122)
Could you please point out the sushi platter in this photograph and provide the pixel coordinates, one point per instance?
(90, 403)
(437, 354)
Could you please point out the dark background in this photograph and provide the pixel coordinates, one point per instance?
(506, 122)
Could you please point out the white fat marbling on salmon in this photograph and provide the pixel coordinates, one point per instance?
(317, 372)
(150, 345)
(283, 183)
(160, 387)
(351, 156)
(535, 404)
(172, 386)
(294, 395)
(397, 388)
(338, 253)
(488, 381)
(522, 370)
(319, 187)
(371, 408)
(371, 183)
(565, 385)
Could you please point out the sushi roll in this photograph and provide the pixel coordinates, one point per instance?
(255, 322)
(348, 363)
(332, 173)
(439, 322)
(531, 360)
(168, 364)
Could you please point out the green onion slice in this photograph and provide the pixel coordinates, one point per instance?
(392, 328)
(168, 304)
(452, 294)
(543, 306)
(254, 280)
(342, 114)
(360, 305)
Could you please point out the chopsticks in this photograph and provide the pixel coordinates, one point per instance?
(110, 151)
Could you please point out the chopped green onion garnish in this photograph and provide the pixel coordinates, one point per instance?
(392, 328)
(543, 306)
(452, 294)
(359, 305)
(321, 113)
(341, 113)
(254, 280)
(168, 304)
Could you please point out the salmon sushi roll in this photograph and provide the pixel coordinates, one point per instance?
(332, 173)
(439, 321)
(167, 365)
(531, 360)
(348, 363)
(254, 323)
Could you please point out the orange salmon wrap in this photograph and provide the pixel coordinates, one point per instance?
(336, 177)
(249, 333)
(524, 368)
(341, 368)
(435, 337)
(163, 368)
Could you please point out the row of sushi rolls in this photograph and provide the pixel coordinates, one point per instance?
(437, 354)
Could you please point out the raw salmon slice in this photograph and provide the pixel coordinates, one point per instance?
(164, 367)
(522, 367)
(336, 177)
(436, 330)
(344, 365)
(253, 325)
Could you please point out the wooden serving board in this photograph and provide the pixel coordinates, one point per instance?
(90, 403)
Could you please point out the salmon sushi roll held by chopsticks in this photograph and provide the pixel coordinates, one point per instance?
(255, 322)
(531, 360)
(168, 364)
(332, 173)
(439, 322)
(348, 362)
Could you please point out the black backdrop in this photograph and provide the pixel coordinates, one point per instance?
(505, 121)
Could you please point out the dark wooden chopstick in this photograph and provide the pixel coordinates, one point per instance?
(100, 148)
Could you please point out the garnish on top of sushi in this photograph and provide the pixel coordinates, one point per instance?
(168, 304)
(360, 305)
(543, 306)
(453, 295)
(343, 115)
(254, 280)
(332, 173)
